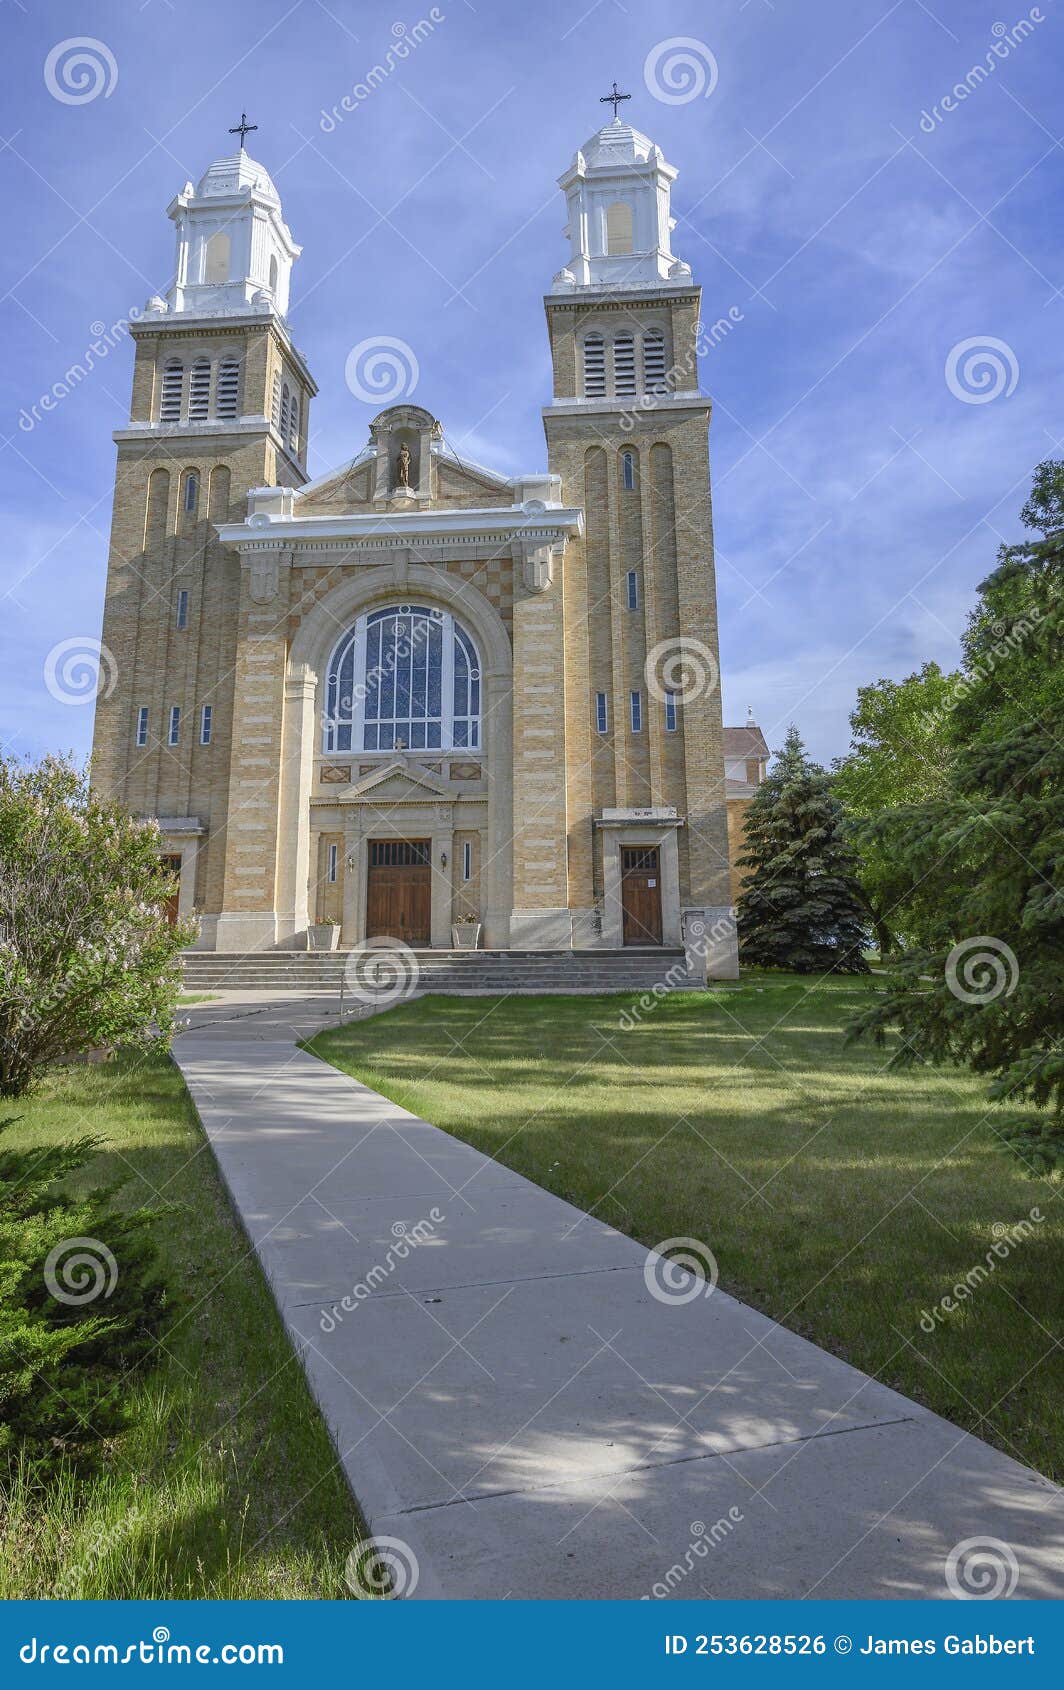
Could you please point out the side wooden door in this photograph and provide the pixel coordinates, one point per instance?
(173, 864)
(641, 894)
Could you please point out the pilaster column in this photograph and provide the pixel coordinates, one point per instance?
(353, 930)
(248, 919)
(541, 915)
(297, 773)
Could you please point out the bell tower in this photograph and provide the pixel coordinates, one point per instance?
(220, 405)
(636, 634)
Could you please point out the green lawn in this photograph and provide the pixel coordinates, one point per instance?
(226, 1485)
(842, 1199)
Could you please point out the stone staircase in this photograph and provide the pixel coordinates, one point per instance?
(442, 971)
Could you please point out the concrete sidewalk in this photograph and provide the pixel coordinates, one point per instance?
(512, 1402)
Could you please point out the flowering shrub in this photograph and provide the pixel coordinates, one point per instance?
(87, 954)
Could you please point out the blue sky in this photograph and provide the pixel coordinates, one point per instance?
(863, 479)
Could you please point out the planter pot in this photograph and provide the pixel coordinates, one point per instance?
(466, 935)
(323, 936)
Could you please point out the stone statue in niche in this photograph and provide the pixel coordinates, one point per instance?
(402, 467)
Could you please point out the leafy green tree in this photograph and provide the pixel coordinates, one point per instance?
(801, 907)
(900, 753)
(990, 996)
(87, 955)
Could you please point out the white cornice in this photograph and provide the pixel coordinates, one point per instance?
(542, 526)
(639, 407)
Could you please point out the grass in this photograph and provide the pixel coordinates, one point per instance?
(226, 1484)
(186, 998)
(842, 1199)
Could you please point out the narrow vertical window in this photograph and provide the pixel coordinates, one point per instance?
(618, 229)
(175, 724)
(142, 725)
(191, 498)
(670, 712)
(286, 406)
(293, 424)
(332, 864)
(602, 720)
(637, 712)
(217, 258)
(594, 367)
(276, 400)
(467, 860)
(170, 403)
(205, 724)
(182, 608)
(633, 590)
(628, 471)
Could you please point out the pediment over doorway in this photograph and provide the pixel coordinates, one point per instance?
(399, 781)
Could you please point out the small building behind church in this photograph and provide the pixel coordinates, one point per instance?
(415, 693)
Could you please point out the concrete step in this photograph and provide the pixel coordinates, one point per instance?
(442, 971)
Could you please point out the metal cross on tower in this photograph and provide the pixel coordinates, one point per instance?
(614, 98)
(245, 128)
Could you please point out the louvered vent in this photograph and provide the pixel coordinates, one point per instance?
(654, 364)
(228, 387)
(199, 391)
(170, 405)
(624, 365)
(594, 367)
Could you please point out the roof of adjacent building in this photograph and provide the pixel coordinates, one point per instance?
(747, 741)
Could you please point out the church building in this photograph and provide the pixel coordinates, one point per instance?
(414, 697)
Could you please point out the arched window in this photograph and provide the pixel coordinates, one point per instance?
(618, 228)
(199, 391)
(276, 400)
(216, 267)
(170, 404)
(293, 423)
(654, 363)
(227, 401)
(286, 406)
(406, 677)
(190, 496)
(624, 365)
(594, 367)
(628, 471)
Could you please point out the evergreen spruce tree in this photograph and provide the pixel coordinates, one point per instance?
(990, 998)
(801, 908)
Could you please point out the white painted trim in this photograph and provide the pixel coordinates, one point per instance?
(546, 525)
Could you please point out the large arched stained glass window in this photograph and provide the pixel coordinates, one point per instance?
(403, 678)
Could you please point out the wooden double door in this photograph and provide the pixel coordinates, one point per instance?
(641, 894)
(399, 896)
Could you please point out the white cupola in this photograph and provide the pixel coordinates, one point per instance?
(618, 190)
(234, 248)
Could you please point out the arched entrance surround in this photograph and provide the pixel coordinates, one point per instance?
(305, 685)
